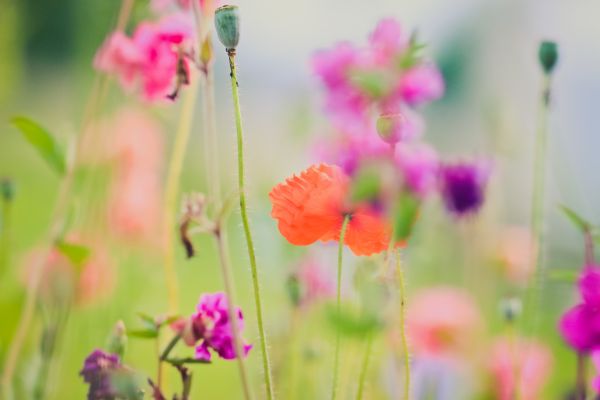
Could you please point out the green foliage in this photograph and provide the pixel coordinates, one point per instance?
(352, 323)
(76, 253)
(577, 221)
(407, 209)
(43, 142)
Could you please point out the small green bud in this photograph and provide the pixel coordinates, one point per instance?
(117, 341)
(391, 127)
(548, 56)
(7, 188)
(227, 24)
(294, 290)
(510, 308)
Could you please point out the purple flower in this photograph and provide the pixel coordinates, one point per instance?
(210, 324)
(97, 371)
(463, 186)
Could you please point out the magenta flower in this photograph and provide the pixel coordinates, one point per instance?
(462, 186)
(421, 84)
(97, 371)
(580, 325)
(211, 326)
(151, 57)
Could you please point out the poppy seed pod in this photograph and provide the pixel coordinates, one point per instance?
(548, 56)
(227, 24)
(391, 127)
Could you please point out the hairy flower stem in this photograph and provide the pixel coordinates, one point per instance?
(533, 295)
(228, 283)
(581, 385)
(336, 360)
(172, 189)
(402, 293)
(246, 224)
(364, 368)
(58, 216)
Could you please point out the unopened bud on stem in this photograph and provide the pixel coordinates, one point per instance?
(227, 24)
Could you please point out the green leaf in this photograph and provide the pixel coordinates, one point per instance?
(575, 219)
(405, 215)
(43, 142)
(352, 323)
(76, 253)
(143, 333)
(566, 275)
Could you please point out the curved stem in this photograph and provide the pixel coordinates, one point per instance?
(336, 361)
(402, 293)
(172, 189)
(364, 368)
(228, 283)
(246, 225)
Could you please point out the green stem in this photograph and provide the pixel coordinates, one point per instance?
(336, 361)
(5, 236)
(402, 293)
(169, 348)
(172, 190)
(228, 283)
(246, 225)
(364, 368)
(533, 294)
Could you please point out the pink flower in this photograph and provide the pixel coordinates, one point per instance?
(151, 56)
(387, 41)
(211, 326)
(442, 320)
(419, 167)
(315, 282)
(421, 84)
(515, 250)
(135, 195)
(580, 325)
(62, 280)
(596, 362)
(526, 360)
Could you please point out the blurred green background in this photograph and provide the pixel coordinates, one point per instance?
(487, 52)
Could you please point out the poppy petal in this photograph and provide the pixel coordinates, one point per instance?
(307, 207)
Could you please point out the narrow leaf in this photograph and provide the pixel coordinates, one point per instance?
(143, 333)
(575, 219)
(42, 141)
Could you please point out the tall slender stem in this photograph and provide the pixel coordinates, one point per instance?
(580, 385)
(228, 283)
(402, 293)
(336, 361)
(5, 235)
(172, 189)
(246, 225)
(364, 368)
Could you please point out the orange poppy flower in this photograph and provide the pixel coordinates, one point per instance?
(312, 206)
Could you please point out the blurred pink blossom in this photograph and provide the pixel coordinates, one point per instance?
(135, 196)
(419, 166)
(526, 360)
(316, 283)
(515, 250)
(442, 321)
(62, 280)
(387, 41)
(421, 84)
(150, 57)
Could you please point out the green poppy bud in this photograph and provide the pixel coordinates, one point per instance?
(7, 189)
(227, 24)
(548, 56)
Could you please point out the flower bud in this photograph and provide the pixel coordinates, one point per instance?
(117, 340)
(7, 189)
(510, 308)
(391, 127)
(548, 56)
(227, 24)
